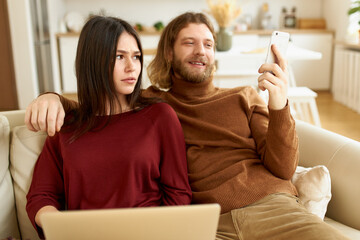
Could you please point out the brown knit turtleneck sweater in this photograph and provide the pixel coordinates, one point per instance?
(238, 151)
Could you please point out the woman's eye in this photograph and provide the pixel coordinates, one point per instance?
(119, 57)
(189, 43)
(137, 57)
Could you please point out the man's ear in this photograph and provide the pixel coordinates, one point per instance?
(169, 56)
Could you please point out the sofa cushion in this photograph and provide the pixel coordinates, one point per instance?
(8, 220)
(25, 148)
(314, 188)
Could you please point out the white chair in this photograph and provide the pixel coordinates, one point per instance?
(303, 102)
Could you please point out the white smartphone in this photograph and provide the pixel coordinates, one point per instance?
(281, 40)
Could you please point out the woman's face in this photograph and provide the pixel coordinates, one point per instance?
(127, 65)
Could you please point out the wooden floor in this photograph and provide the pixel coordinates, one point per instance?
(337, 117)
(333, 116)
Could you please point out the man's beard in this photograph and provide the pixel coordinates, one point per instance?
(186, 74)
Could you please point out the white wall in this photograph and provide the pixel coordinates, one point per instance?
(56, 12)
(23, 51)
(335, 13)
(148, 12)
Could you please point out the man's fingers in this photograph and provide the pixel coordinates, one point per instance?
(34, 117)
(275, 70)
(269, 78)
(51, 120)
(279, 58)
(271, 67)
(265, 84)
(42, 115)
(60, 119)
(27, 119)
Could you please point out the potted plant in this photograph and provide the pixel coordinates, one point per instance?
(355, 9)
(224, 12)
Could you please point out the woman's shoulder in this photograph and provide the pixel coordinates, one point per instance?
(161, 108)
(160, 111)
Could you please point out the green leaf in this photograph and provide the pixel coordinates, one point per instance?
(354, 10)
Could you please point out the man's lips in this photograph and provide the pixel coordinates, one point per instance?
(197, 63)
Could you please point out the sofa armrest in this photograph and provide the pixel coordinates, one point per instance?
(15, 118)
(8, 219)
(341, 155)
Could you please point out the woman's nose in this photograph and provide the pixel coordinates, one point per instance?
(130, 66)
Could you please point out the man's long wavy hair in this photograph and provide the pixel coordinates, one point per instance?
(95, 61)
(160, 70)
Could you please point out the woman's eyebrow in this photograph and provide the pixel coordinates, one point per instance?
(124, 51)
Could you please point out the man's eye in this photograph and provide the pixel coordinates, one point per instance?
(209, 45)
(189, 43)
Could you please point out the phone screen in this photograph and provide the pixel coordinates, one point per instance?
(281, 40)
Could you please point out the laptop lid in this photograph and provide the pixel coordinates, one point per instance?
(191, 222)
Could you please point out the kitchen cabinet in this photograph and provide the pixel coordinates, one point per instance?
(314, 74)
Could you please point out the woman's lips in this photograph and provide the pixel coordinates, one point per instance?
(129, 80)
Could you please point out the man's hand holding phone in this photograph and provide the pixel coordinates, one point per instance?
(274, 73)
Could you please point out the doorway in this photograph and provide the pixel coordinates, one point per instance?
(8, 95)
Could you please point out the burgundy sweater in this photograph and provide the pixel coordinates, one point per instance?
(138, 160)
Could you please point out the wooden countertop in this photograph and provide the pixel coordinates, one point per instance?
(348, 45)
(252, 31)
(289, 30)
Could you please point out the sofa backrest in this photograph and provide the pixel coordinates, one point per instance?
(341, 156)
(25, 149)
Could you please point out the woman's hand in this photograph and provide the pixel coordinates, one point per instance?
(43, 210)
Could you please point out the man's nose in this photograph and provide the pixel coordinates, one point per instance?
(199, 49)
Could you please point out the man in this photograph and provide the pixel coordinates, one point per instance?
(241, 153)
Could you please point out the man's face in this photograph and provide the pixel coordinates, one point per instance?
(193, 53)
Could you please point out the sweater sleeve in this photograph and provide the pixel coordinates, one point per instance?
(47, 187)
(67, 104)
(173, 166)
(275, 136)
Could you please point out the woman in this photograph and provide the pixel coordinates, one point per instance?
(118, 149)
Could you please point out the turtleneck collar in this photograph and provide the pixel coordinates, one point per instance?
(189, 90)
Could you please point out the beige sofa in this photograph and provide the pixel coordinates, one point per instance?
(20, 147)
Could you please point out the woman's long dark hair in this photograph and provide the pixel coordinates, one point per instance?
(95, 60)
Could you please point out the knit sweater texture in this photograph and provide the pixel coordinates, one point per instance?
(238, 151)
(137, 160)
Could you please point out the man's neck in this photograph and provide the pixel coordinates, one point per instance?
(190, 90)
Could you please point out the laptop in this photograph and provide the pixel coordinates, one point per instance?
(191, 222)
